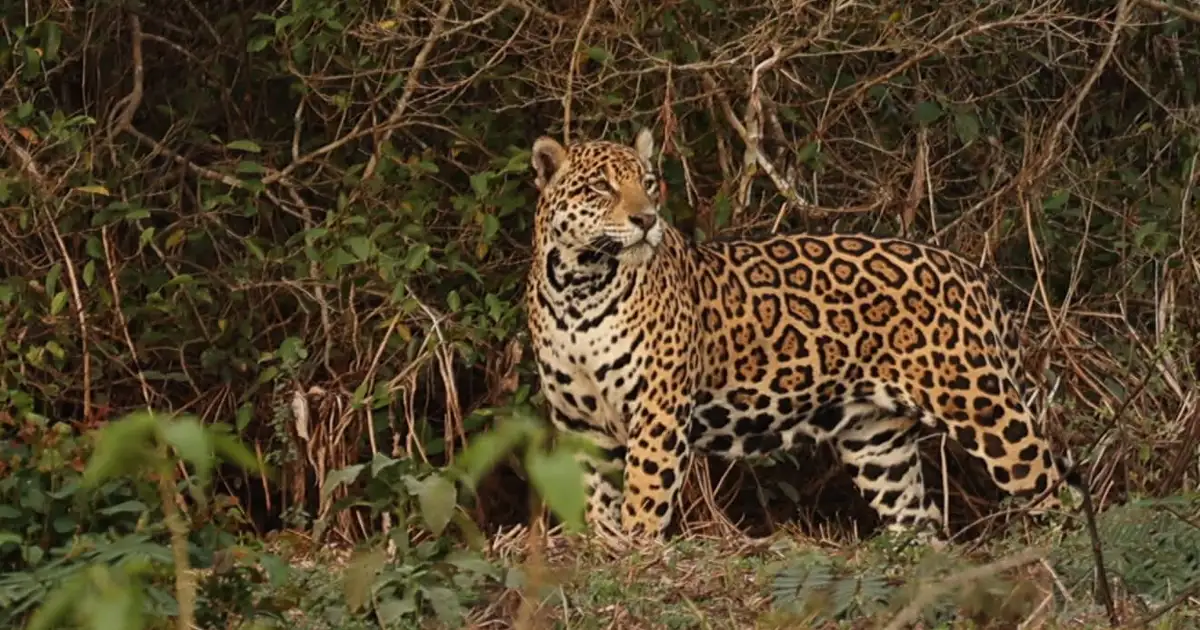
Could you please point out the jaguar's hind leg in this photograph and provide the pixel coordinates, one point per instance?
(879, 449)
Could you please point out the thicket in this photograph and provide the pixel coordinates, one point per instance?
(309, 221)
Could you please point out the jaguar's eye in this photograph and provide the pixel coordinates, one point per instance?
(601, 187)
(651, 185)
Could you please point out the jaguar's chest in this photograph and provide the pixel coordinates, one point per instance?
(588, 367)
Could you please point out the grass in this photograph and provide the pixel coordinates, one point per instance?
(727, 583)
(1031, 577)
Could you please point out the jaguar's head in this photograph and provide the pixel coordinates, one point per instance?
(598, 197)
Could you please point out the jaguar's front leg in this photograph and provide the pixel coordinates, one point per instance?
(602, 470)
(655, 464)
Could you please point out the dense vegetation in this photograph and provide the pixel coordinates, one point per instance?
(304, 226)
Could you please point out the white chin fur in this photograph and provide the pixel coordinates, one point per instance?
(638, 254)
(655, 235)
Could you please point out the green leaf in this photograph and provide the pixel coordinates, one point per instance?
(125, 507)
(360, 246)
(444, 602)
(1057, 200)
(485, 449)
(278, 571)
(479, 183)
(359, 577)
(966, 125)
(396, 82)
(393, 611)
(292, 350)
(491, 227)
(244, 145)
(58, 302)
(52, 277)
(335, 478)
(146, 236)
(123, 446)
(381, 462)
(927, 112)
(808, 152)
(598, 54)
(188, 437)
(437, 498)
(232, 450)
(247, 167)
(558, 477)
(51, 41)
(258, 42)
(416, 257)
(55, 611)
(53, 348)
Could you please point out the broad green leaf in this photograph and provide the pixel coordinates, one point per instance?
(52, 277)
(598, 54)
(444, 602)
(381, 462)
(277, 569)
(437, 497)
(966, 125)
(416, 257)
(558, 477)
(471, 563)
(125, 507)
(485, 449)
(359, 577)
(244, 145)
(809, 151)
(122, 447)
(246, 167)
(232, 450)
(119, 606)
(392, 611)
(94, 189)
(491, 226)
(258, 42)
(1057, 200)
(479, 183)
(335, 478)
(359, 246)
(58, 302)
(927, 112)
(188, 437)
(55, 611)
(51, 41)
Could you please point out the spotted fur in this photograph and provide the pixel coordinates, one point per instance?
(655, 348)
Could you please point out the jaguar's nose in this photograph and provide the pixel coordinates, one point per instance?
(645, 221)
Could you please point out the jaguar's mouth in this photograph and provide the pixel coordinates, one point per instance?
(606, 245)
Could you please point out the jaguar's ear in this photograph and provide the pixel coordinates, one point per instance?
(548, 159)
(644, 144)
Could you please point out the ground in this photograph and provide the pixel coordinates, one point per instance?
(1030, 577)
(728, 583)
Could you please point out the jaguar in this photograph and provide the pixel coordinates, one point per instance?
(655, 348)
